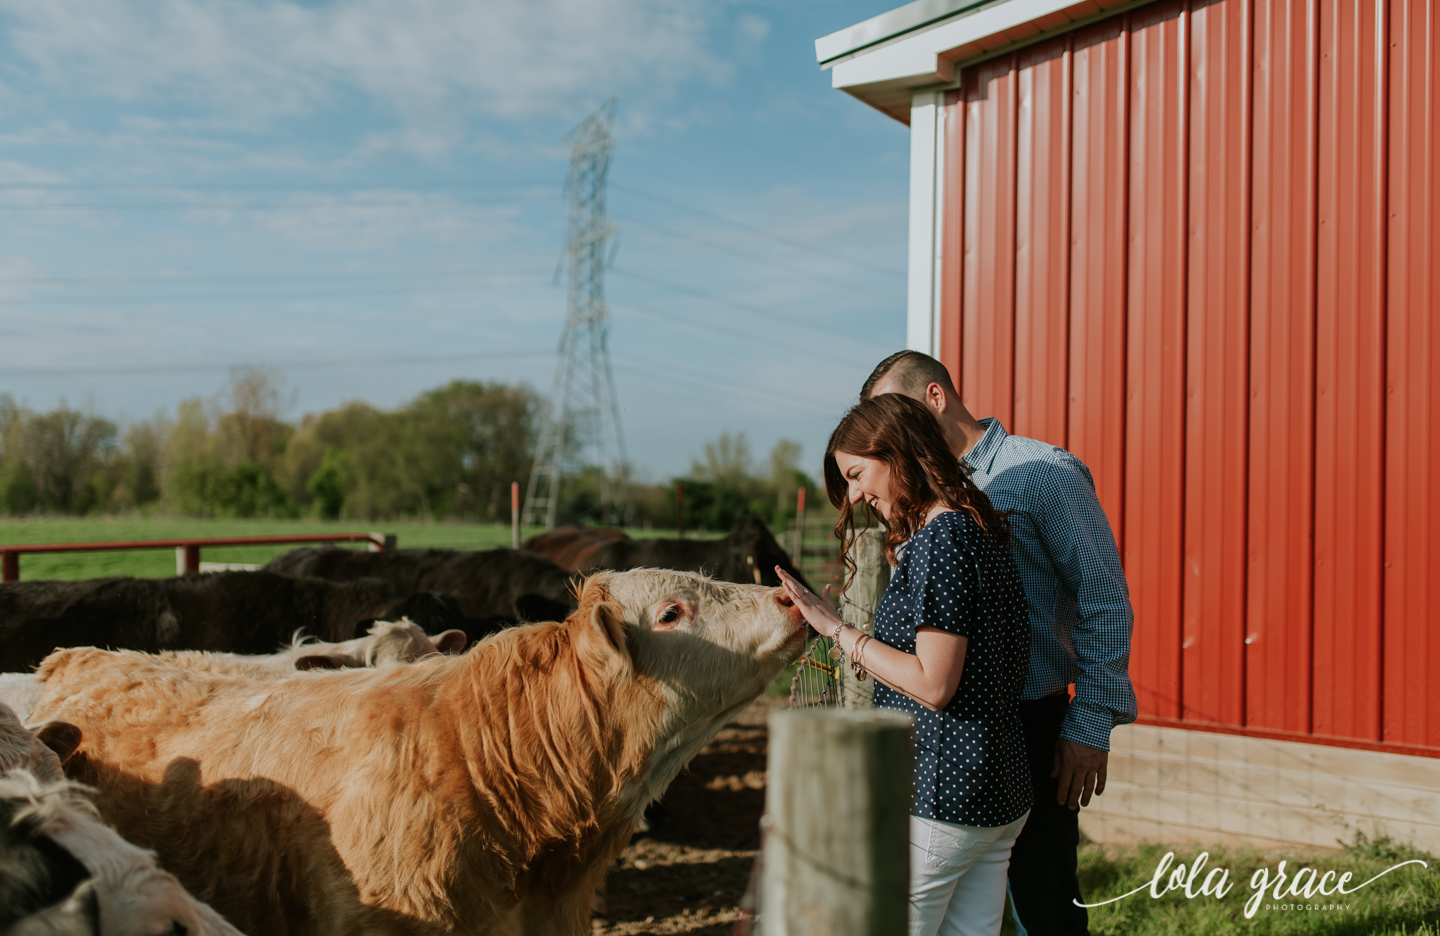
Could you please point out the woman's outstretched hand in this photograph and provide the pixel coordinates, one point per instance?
(820, 613)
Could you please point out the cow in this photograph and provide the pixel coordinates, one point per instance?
(570, 546)
(239, 612)
(493, 587)
(748, 554)
(486, 793)
(63, 873)
(388, 643)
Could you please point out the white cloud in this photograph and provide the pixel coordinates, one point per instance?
(418, 59)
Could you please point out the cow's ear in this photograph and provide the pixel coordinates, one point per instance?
(320, 661)
(61, 737)
(608, 619)
(450, 641)
(602, 622)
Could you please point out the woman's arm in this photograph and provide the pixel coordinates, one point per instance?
(930, 675)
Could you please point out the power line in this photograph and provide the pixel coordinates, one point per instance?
(271, 186)
(455, 272)
(746, 307)
(149, 369)
(256, 205)
(828, 279)
(336, 293)
(731, 334)
(758, 232)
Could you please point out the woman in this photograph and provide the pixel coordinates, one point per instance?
(951, 647)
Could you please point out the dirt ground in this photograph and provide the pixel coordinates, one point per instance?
(688, 873)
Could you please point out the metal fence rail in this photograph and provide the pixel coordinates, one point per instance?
(187, 551)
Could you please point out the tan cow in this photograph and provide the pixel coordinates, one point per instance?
(49, 835)
(486, 793)
(387, 643)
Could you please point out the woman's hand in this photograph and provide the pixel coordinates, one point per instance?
(819, 613)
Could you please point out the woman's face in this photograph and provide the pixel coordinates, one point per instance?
(867, 480)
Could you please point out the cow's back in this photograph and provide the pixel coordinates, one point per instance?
(37, 617)
(493, 583)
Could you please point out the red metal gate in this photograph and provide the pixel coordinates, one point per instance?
(1198, 244)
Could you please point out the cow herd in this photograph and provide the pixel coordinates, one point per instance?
(216, 771)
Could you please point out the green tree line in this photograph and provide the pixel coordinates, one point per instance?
(451, 453)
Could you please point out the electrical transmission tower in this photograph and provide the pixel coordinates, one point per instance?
(582, 414)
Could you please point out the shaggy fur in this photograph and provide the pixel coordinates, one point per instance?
(236, 612)
(748, 554)
(481, 794)
(388, 643)
(51, 845)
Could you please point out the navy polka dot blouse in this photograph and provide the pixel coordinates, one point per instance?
(970, 761)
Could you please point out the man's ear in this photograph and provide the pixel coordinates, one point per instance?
(935, 397)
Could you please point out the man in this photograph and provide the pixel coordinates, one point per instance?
(1080, 622)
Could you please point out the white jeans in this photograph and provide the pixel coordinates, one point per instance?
(957, 876)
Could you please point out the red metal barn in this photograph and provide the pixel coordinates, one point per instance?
(1198, 244)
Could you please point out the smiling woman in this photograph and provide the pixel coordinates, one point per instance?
(951, 648)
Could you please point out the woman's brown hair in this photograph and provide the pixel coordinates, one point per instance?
(904, 434)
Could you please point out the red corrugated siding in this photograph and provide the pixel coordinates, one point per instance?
(1217, 349)
(1042, 249)
(1155, 367)
(1412, 426)
(1199, 247)
(1349, 372)
(987, 344)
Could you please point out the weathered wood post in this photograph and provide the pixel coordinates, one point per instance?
(799, 557)
(858, 606)
(514, 514)
(837, 804)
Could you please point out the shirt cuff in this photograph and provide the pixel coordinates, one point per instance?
(1089, 724)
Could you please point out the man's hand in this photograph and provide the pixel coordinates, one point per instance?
(1081, 769)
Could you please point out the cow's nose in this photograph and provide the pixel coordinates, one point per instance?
(783, 599)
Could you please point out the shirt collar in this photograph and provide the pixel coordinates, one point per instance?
(982, 454)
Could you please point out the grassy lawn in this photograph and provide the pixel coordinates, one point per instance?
(155, 563)
(1405, 902)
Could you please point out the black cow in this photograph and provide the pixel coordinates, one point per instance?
(493, 587)
(748, 555)
(235, 612)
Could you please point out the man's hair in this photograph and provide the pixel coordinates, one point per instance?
(911, 372)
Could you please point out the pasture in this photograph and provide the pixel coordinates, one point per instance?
(157, 563)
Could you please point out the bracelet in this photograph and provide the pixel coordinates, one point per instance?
(858, 658)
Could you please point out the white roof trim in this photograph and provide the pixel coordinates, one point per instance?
(904, 19)
(887, 60)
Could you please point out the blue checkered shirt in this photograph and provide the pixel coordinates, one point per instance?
(1080, 614)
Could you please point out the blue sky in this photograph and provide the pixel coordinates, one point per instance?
(365, 194)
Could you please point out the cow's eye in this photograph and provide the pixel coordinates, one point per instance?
(670, 615)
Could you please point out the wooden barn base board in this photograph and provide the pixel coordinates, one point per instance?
(1172, 785)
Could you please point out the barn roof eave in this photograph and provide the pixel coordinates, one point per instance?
(923, 45)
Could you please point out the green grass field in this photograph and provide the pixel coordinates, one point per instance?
(155, 563)
(1405, 902)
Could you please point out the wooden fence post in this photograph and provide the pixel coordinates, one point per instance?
(187, 559)
(799, 557)
(679, 510)
(858, 606)
(9, 567)
(514, 514)
(837, 839)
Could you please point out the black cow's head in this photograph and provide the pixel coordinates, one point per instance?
(754, 554)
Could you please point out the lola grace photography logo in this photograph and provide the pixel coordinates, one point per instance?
(1286, 889)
